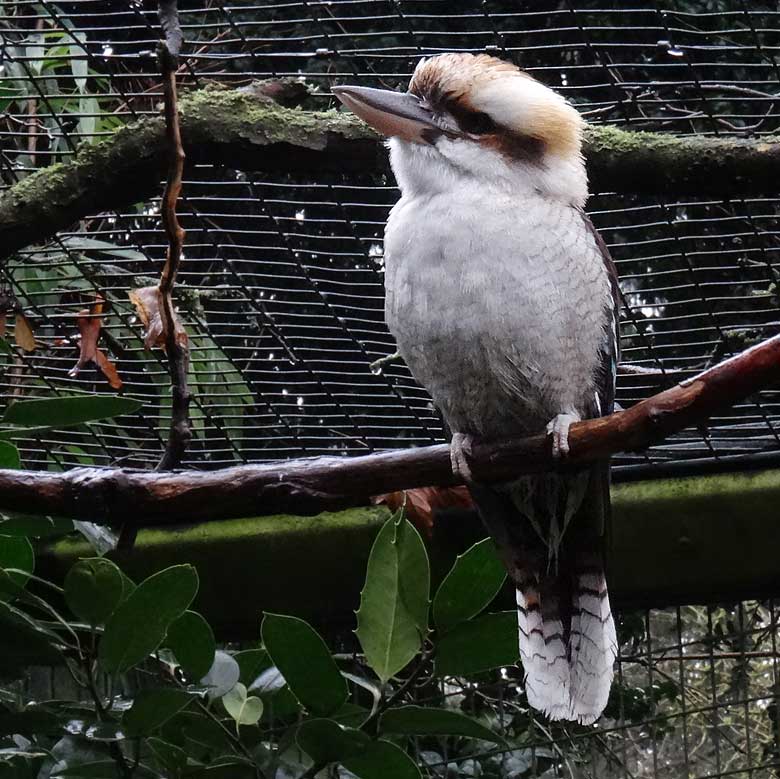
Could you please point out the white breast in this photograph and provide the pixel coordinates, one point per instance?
(498, 305)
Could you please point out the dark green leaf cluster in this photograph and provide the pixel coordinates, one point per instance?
(155, 697)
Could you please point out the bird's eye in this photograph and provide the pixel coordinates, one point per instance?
(476, 123)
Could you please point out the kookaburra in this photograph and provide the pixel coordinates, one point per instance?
(502, 298)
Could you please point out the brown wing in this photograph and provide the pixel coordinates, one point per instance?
(610, 352)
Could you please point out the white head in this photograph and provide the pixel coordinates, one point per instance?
(480, 118)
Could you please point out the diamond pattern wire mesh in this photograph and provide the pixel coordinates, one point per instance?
(695, 697)
(282, 283)
(281, 291)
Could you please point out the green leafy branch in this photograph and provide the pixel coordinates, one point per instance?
(176, 723)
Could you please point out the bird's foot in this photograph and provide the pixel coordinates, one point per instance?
(460, 451)
(558, 428)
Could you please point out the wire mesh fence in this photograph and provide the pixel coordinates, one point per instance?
(281, 293)
(695, 696)
(281, 286)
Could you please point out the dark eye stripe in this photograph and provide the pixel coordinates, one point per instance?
(476, 123)
(469, 121)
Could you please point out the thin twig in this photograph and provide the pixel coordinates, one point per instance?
(115, 750)
(378, 365)
(236, 742)
(398, 695)
(176, 347)
(175, 339)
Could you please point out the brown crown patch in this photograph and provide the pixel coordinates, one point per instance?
(447, 83)
(448, 77)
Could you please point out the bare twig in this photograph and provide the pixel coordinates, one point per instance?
(174, 336)
(422, 662)
(114, 748)
(32, 113)
(175, 340)
(378, 365)
(313, 485)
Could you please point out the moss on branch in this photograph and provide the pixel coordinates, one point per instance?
(275, 563)
(246, 131)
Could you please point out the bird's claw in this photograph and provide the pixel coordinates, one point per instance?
(558, 428)
(460, 450)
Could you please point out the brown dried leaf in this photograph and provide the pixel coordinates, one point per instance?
(109, 369)
(422, 503)
(148, 304)
(89, 322)
(23, 334)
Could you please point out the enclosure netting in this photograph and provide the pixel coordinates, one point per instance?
(694, 697)
(281, 287)
(281, 284)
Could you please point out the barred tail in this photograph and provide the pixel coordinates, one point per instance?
(567, 644)
(550, 531)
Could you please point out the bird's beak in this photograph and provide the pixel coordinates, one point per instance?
(393, 114)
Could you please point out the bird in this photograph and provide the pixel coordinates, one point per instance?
(502, 298)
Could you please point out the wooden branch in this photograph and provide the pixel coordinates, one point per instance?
(309, 486)
(247, 130)
(176, 346)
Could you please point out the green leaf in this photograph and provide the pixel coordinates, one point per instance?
(171, 758)
(212, 367)
(205, 732)
(65, 411)
(22, 432)
(9, 456)
(140, 623)
(83, 243)
(325, 741)
(35, 527)
(192, 641)
(469, 587)
(428, 721)
(302, 657)
(25, 642)
(17, 552)
(88, 110)
(93, 589)
(198, 735)
(244, 709)
(35, 720)
(393, 614)
(280, 706)
(382, 760)
(251, 663)
(153, 708)
(99, 769)
(487, 642)
(78, 61)
(352, 715)
(229, 768)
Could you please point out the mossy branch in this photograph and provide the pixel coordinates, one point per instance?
(247, 131)
(700, 539)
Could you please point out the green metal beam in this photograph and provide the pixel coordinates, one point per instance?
(673, 541)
